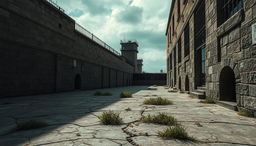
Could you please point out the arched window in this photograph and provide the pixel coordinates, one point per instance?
(227, 85)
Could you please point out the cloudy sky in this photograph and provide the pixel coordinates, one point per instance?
(115, 20)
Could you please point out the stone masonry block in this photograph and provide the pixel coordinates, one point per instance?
(252, 90)
(234, 35)
(243, 89)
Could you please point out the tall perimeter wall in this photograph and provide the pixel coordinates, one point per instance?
(42, 52)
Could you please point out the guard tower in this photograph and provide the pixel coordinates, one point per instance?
(129, 51)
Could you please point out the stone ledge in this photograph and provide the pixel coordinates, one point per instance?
(231, 23)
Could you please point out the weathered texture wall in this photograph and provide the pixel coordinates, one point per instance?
(228, 52)
(41, 52)
(149, 79)
(230, 45)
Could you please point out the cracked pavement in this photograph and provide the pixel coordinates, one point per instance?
(73, 120)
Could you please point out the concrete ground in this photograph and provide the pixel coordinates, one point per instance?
(73, 120)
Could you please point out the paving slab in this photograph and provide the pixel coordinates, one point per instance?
(73, 119)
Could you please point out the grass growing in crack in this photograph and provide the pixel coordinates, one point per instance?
(110, 118)
(182, 92)
(176, 132)
(128, 109)
(208, 100)
(125, 95)
(245, 113)
(32, 124)
(158, 101)
(98, 93)
(173, 91)
(161, 118)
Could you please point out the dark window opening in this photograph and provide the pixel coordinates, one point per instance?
(168, 64)
(174, 62)
(227, 85)
(178, 9)
(174, 57)
(170, 61)
(200, 37)
(186, 41)
(170, 34)
(200, 32)
(173, 25)
(179, 83)
(219, 51)
(60, 25)
(78, 82)
(227, 8)
(179, 51)
(187, 84)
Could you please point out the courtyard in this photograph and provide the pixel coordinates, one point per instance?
(73, 119)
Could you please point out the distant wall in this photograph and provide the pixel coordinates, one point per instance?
(41, 52)
(149, 79)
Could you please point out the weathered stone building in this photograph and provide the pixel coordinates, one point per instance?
(42, 50)
(211, 52)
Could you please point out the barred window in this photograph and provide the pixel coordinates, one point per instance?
(173, 25)
(186, 41)
(174, 57)
(179, 51)
(227, 8)
(170, 62)
(178, 9)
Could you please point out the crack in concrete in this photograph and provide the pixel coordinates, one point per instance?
(131, 135)
(76, 139)
(225, 142)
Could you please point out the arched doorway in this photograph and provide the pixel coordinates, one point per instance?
(187, 84)
(179, 83)
(78, 82)
(227, 85)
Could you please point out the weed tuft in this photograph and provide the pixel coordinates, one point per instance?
(245, 113)
(125, 95)
(161, 118)
(158, 101)
(173, 91)
(110, 118)
(208, 100)
(176, 132)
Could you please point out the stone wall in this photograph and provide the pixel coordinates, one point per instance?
(228, 45)
(41, 52)
(143, 79)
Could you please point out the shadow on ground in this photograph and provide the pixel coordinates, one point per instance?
(56, 109)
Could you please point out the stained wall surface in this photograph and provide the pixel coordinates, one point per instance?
(41, 52)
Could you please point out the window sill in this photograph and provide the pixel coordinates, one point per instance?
(232, 22)
(186, 58)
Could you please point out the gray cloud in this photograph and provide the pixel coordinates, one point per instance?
(149, 39)
(76, 13)
(131, 15)
(96, 7)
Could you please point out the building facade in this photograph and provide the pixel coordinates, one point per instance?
(211, 52)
